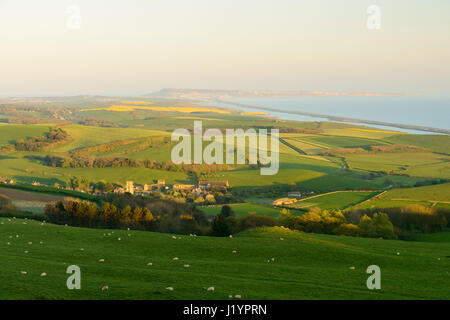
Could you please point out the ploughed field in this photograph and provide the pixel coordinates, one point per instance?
(304, 266)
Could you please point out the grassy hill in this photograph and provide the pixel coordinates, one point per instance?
(305, 266)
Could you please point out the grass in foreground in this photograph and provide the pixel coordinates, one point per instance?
(305, 266)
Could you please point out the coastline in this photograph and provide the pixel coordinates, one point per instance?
(342, 119)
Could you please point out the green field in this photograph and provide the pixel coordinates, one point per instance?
(436, 143)
(305, 266)
(439, 192)
(337, 201)
(243, 209)
(10, 133)
(85, 136)
(433, 195)
(415, 164)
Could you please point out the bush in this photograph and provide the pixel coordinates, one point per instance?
(347, 229)
(255, 221)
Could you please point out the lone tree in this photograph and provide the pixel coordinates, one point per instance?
(227, 212)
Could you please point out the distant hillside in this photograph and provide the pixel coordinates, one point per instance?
(201, 94)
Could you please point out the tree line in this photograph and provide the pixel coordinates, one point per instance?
(54, 160)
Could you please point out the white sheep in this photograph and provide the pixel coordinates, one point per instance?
(169, 288)
(352, 268)
(175, 259)
(105, 288)
(186, 266)
(238, 296)
(210, 289)
(43, 274)
(101, 260)
(149, 264)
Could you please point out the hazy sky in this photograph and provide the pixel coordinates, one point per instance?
(139, 46)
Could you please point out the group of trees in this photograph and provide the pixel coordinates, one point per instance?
(87, 214)
(139, 213)
(226, 223)
(409, 220)
(54, 160)
(335, 222)
(87, 121)
(55, 136)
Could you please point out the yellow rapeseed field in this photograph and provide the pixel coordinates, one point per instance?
(121, 108)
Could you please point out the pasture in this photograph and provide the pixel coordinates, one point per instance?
(304, 266)
(336, 201)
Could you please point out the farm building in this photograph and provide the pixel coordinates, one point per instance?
(294, 194)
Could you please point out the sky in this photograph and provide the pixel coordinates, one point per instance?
(134, 47)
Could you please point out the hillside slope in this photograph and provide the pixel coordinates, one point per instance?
(305, 266)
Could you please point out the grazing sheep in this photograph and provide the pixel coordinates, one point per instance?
(101, 260)
(230, 296)
(174, 238)
(41, 242)
(8, 243)
(186, 266)
(210, 289)
(129, 235)
(105, 288)
(43, 274)
(273, 259)
(234, 251)
(231, 236)
(169, 288)
(149, 264)
(352, 268)
(238, 296)
(23, 272)
(26, 251)
(398, 253)
(30, 243)
(82, 249)
(118, 239)
(281, 238)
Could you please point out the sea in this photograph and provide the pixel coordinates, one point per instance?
(421, 111)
